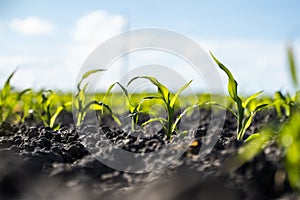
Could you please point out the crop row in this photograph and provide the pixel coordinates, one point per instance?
(45, 106)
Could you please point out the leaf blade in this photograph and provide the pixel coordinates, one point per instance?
(232, 84)
(178, 92)
(292, 66)
(162, 89)
(250, 98)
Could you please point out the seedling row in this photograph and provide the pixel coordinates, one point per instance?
(45, 107)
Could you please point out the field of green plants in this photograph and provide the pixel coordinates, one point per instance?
(47, 108)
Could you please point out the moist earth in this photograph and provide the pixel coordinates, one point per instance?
(40, 163)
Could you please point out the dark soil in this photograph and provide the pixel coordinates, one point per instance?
(39, 163)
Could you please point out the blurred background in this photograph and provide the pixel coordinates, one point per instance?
(49, 40)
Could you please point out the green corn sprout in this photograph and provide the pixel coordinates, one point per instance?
(82, 106)
(27, 105)
(283, 102)
(287, 102)
(255, 144)
(49, 114)
(287, 139)
(243, 120)
(169, 101)
(134, 110)
(9, 99)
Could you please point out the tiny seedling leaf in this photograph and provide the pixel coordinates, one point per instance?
(178, 92)
(159, 119)
(249, 99)
(222, 106)
(162, 90)
(87, 74)
(252, 137)
(7, 87)
(53, 118)
(94, 102)
(246, 124)
(23, 92)
(57, 112)
(182, 115)
(232, 84)
(292, 66)
(248, 151)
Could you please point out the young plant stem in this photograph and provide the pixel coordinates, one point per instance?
(170, 121)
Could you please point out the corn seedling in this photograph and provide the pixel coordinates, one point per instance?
(287, 139)
(134, 107)
(168, 100)
(82, 106)
(9, 99)
(26, 105)
(244, 113)
(287, 102)
(47, 113)
(282, 102)
(252, 147)
(134, 110)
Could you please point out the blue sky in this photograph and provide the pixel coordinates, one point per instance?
(46, 39)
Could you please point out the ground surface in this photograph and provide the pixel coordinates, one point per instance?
(39, 163)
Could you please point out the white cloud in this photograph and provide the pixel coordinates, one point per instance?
(93, 29)
(89, 32)
(60, 70)
(97, 26)
(256, 64)
(32, 26)
(33, 71)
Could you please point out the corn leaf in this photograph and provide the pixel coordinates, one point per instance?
(261, 106)
(7, 87)
(248, 151)
(105, 106)
(128, 101)
(162, 90)
(81, 96)
(22, 93)
(121, 86)
(232, 84)
(155, 119)
(182, 115)
(53, 118)
(292, 66)
(232, 89)
(252, 137)
(289, 139)
(137, 108)
(87, 74)
(247, 122)
(253, 96)
(178, 92)
(57, 112)
(222, 106)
